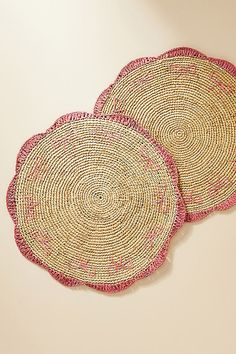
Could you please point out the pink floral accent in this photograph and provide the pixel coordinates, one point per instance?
(119, 106)
(30, 207)
(37, 170)
(219, 185)
(160, 196)
(44, 240)
(161, 201)
(139, 83)
(106, 134)
(218, 83)
(84, 265)
(176, 52)
(183, 69)
(152, 236)
(93, 272)
(62, 278)
(216, 187)
(64, 142)
(149, 163)
(194, 199)
(119, 265)
(164, 208)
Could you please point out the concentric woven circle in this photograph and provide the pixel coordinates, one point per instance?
(95, 201)
(188, 103)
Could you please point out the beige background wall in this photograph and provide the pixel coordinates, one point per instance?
(56, 57)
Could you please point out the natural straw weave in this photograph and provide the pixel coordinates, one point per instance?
(188, 103)
(95, 201)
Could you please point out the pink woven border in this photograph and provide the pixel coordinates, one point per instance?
(68, 281)
(176, 52)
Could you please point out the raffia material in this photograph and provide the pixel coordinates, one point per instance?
(95, 201)
(188, 103)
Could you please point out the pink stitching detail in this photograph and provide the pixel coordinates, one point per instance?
(164, 208)
(38, 168)
(214, 190)
(93, 272)
(30, 207)
(216, 187)
(149, 163)
(139, 83)
(119, 105)
(106, 134)
(44, 240)
(64, 142)
(119, 264)
(190, 69)
(161, 196)
(152, 236)
(228, 89)
(85, 266)
(161, 201)
(190, 198)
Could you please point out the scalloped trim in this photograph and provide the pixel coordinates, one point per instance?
(176, 52)
(69, 281)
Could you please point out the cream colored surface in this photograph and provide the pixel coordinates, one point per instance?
(56, 57)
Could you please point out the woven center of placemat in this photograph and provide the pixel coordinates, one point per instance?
(188, 105)
(95, 201)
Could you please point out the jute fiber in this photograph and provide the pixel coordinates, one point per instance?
(187, 102)
(95, 201)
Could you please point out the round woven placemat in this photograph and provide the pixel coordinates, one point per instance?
(95, 201)
(188, 103)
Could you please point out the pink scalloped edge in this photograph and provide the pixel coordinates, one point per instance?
(176, 52)
(69, 281)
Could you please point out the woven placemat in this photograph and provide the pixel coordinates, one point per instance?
(95, 201)
(188, 103)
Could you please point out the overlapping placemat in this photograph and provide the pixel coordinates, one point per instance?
(95, 201)
(187, 101)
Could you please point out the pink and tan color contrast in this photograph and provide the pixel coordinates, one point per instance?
(95, 201)
(187, 101)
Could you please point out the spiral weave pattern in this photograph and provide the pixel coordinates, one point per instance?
(95, 201)
(188, 103)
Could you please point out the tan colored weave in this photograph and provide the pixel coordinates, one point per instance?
(89, 201)
(189, 105)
